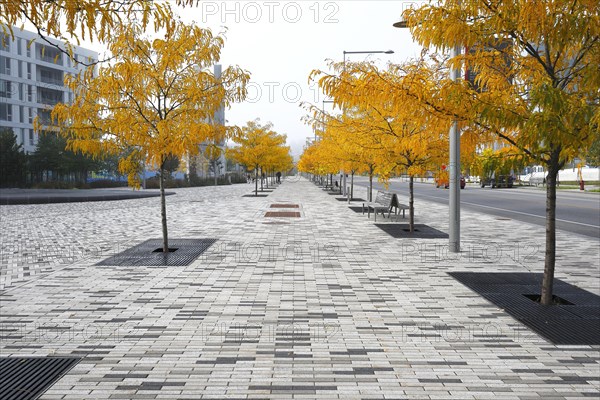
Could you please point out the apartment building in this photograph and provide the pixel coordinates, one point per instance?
(32, 72)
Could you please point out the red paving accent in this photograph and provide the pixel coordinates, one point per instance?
(285, 206)
(283, 214)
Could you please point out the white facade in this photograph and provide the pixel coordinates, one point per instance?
(31, 81)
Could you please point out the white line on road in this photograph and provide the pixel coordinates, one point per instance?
(518, 212)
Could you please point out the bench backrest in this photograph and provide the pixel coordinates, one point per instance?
(387, 199)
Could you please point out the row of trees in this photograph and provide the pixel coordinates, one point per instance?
(536, 89)
(156, 98)
(261, 150)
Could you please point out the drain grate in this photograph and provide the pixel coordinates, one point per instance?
(27, 378)
(281, 205)
(145, 254)
(421, 231)
(575, 322)
(283, 214)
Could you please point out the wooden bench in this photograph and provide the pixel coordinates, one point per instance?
(384, 202)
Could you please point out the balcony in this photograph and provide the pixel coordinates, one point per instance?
(50, 76)
(49, 97)
(48, 54)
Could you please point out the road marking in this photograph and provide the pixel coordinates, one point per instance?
(522, 213)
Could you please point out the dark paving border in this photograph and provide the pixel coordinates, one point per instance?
(421, 231)
(143, 254)
(47, 196)
(352, 199)
(254, 195)
(576, 324)
(282, 205)
(28, 378)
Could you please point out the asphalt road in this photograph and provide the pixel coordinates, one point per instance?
(575, 212)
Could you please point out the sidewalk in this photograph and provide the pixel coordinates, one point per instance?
(326, 305)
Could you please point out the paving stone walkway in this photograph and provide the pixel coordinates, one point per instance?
(324, 305)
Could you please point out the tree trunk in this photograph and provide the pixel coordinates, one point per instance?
(261, 180)
(163, 211)
(215, 171)
(352, 186)
(371, 186)
(550, 258)
(411, 205)
(255, 181)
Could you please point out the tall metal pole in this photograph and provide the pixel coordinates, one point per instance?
(454, 220)
(343, 180)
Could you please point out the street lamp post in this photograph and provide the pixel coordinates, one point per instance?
(343, 180)
(454, 164)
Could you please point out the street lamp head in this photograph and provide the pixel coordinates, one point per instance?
(401, 24)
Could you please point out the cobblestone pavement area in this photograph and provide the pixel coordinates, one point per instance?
(324, 305)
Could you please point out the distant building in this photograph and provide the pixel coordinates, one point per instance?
(31, 81)
(200, 165)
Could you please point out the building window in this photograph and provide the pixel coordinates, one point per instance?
(20, 68)
(5, 112)
(4, 65)
(22, 91)
(28, 70)
(4, 42)
(5, 88)
(19, 50)
(30, 116)
(23, 136)
(31, 137)
(22, 114)
(28, 46)
(29, 93)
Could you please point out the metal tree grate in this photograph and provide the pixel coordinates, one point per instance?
(145, 254)
(27, 378)
(420, 231)
(577, 322)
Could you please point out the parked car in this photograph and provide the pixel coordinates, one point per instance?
(499, 181)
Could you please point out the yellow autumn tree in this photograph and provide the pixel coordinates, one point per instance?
(258, 148)
(537, 83)
(406, 139)
(155, 101)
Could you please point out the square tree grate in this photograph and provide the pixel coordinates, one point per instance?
(27, 378)
(149, 253)
(420, 231)
(574, 320)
